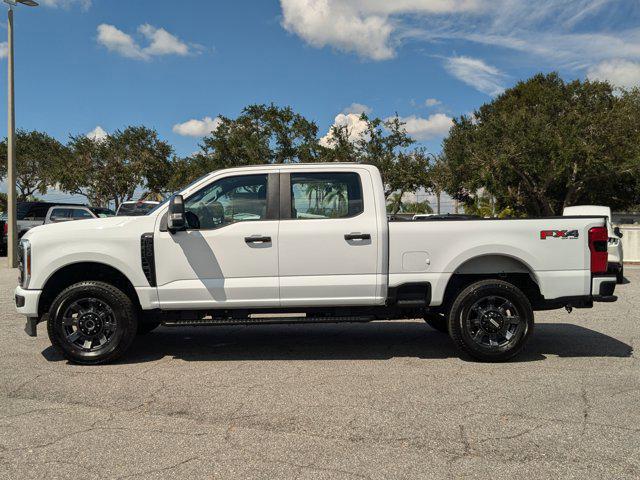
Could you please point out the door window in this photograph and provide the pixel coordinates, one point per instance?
(226, 201)
(60, 214)
(79, 214)
(325, 195)
(37, 212)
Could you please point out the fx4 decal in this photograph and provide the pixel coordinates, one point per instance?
(564, 234)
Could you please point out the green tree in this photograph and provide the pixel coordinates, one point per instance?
(339, 146)
(38, 157)
(546, 144)
(439, 177)
(260, 134)
(396, 204)
(386, 145)
(112, 168)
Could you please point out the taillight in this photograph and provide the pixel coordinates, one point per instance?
(5, 229)
(598, 238)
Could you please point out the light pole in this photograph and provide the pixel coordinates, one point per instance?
(12, 235)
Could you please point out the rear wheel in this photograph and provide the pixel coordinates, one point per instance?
(92, 322)
(437, 321)
(620, 275)
(491, 320)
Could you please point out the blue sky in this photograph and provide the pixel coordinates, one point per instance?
(175, 66)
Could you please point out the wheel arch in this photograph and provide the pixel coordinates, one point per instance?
(500, 266)
(76, 272)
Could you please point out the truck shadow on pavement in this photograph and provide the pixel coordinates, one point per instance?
(372, 341)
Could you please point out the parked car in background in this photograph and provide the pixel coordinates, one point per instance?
(136, 208)
(32, 214)
(28, 215)
(614, 246)
(67, 213)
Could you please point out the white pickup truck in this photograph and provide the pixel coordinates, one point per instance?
(303, 243)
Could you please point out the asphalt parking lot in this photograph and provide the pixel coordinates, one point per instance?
(380, 400)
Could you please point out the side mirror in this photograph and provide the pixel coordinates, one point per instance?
(618, 232)
(175, 216)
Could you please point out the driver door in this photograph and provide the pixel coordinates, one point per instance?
(228, 256)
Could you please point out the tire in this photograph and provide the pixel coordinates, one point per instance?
(620, 275)
(437, 321)
(491, 320)
(92, 322)
(146, 327)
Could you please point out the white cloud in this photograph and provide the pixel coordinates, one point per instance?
(97, 133)
(365, 27)
(358, 109)
(620, 73)
(117, 41)
(571, 35)
(4, 49)
(355, 127)
(84, 4)
(434, 126)
(432, 102)
(197, 128)
(160, 41)
(476, 73)
(333, 23)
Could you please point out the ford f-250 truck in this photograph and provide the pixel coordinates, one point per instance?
(303, 243)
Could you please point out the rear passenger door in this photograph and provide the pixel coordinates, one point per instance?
(328, 238)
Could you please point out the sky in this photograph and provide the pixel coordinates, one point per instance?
(93, 66)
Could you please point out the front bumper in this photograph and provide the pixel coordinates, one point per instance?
(27, 304)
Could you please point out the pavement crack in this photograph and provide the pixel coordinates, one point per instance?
(159, 470)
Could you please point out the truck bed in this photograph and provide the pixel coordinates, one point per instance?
(433, 250)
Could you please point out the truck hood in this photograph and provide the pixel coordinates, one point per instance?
(93, 226)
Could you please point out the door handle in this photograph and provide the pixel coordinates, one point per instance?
(257, 239)
(357, 236)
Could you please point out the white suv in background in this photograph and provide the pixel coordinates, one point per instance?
(614, 249)
(68, 213)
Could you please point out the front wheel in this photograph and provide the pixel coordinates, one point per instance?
(92, 322)
(620, 275)
(491, 320)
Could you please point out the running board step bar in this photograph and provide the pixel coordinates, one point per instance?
(263, 321)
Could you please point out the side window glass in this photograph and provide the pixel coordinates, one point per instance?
(59, 214)
(37, 212)
(325, 195)
(78, 214)
(229, 200)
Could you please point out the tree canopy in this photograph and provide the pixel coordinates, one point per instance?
(541, 145)
(38, 157)
(111, 168)
(546, 144)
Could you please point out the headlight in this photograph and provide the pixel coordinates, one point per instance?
(24, 263)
